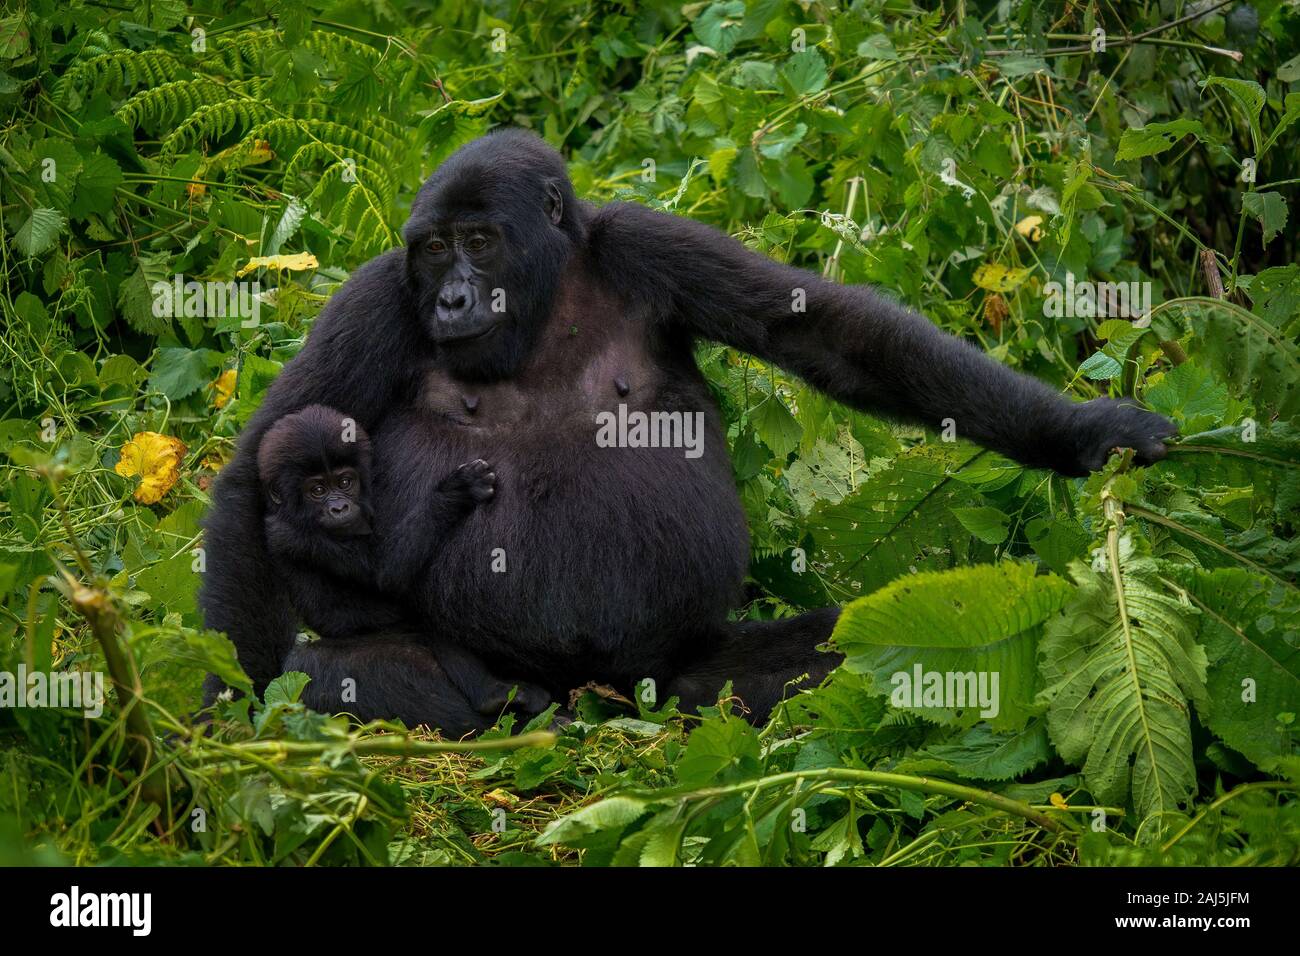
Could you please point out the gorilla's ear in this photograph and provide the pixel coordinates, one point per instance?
(274, 495)
(554, 202)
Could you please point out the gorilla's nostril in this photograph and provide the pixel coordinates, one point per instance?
(339, 509)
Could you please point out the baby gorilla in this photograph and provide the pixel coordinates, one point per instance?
(315, 469)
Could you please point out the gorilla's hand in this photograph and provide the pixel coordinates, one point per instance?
(475, 481)
(1104, 424)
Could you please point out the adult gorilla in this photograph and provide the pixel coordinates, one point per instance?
(513, 316)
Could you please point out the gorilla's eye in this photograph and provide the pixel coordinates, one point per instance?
(345, 482)
(476, 244)
(437, 247)
(317, 490)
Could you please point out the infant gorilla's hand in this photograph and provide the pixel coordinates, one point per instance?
(475, 480)
(1104, 424)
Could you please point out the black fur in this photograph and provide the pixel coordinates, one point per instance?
(621, 562)
(328, 568)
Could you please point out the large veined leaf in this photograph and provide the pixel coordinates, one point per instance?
(981, 754)
(1121, 666)
(1250, 627)
(1266, 457)
(919, 634)
(899, 520)
(1256, 360)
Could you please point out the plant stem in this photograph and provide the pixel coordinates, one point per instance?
(881, 779)
(392, 745)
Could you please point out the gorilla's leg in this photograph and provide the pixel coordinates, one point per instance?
(760, 658)
(483, 690)
(387, 677)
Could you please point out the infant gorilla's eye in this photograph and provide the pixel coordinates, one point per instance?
(317, 490)
(437, 247)
(476, 244)
(345, 482)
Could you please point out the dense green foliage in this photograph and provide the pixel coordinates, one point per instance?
(1145, 623)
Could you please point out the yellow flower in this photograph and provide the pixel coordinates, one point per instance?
(1058, 801)
(224, 387)
(297, 263)
(1029, 228)
(156, 459)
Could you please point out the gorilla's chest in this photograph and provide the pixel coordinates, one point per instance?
(577, 371)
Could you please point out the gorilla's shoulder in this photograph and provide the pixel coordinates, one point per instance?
(376, 292)
(620, 222)
(621, 243)
(649, 256)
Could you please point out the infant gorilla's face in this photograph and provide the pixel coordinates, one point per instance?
(334, 498)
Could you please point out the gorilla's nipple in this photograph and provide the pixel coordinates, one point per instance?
(471, 403)
(621, 385)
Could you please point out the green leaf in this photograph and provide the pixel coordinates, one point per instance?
(1291, 114)
(983, 621)
(1250, 627)
(1099, 366)
(1155, 138)
(1057, 539)
(1257, 362)
(718, 27)
(897, 521)
(96, 186)
(1119, 335)
(1269, 208)
(1121, 668)
(285, 689)
(720, 750)
(777, 428)
(791, 180)
(135, 300)
(805, 72)
(1190, 396)
(1021, 65)
(14, 37)
(878, 46)
(988, 524)
(981, 754)
(173, 584)
(612, 813)
(1249, 96)
(209, 652)
(38, 233)
(178, 372)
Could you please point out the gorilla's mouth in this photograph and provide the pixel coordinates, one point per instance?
(463, 338)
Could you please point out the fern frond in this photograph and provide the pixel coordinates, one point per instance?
(339, 46)
(284, 132)
(123, 70)
(163, 105)
(213, 121)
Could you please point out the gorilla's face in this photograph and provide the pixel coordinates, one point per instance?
(487, 242)
(464, 305)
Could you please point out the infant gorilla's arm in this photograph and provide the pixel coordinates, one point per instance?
(417, 523)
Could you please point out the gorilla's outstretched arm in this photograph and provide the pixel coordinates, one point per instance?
(359, 357)
(855, 344)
